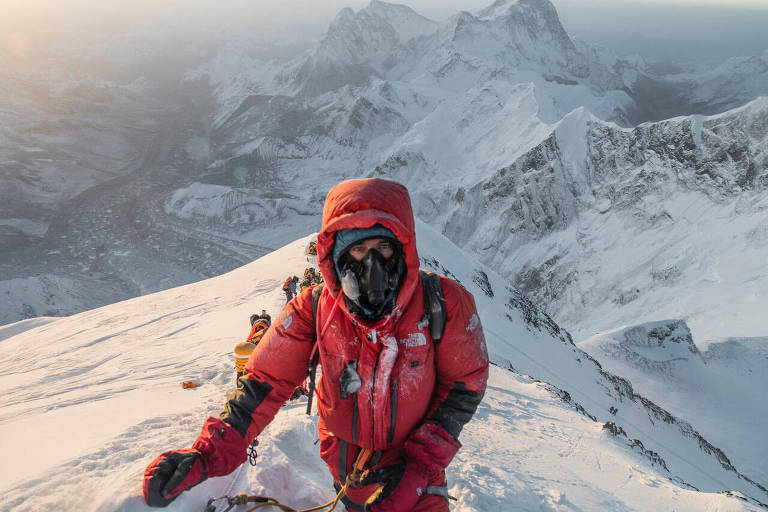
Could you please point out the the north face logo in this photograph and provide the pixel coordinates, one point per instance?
(415, 339)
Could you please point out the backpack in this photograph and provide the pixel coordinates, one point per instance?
(435, 314)
(286, 285)
(258, 329)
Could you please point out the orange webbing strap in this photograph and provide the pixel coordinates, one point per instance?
(353, 477)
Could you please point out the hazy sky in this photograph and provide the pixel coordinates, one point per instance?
(699, 30)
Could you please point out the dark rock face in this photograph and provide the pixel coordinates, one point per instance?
(523, 192)
(481, 280)
(636, 444)
(535, 318)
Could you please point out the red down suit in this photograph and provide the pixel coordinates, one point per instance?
(411, 386)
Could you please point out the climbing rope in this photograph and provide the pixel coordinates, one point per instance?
(266, 501)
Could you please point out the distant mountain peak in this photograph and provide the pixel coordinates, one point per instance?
(404, 21)
(659, 347)
(360, 45)
(378, 5)
(503, 7)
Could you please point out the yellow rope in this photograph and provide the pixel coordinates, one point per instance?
(353, 477)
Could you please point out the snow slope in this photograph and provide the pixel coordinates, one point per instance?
(90, 399)
(721, 390)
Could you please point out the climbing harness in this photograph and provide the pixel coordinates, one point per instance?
(265, 501)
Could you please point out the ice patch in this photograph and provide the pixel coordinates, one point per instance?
(473, 323)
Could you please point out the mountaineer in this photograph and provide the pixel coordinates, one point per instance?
(243, 350)
(398, 382)
(289, 287)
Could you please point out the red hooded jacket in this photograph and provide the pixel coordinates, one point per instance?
(407, 379)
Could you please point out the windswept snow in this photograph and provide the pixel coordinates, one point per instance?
(87, 417)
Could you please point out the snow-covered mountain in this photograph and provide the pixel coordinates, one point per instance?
(736, 81)
(554, 432)
(610, 226)
(219, 168)
(359, 46)
(720, 389)
(554, 207)
(512, 41)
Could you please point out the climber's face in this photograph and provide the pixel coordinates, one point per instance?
(360, 249)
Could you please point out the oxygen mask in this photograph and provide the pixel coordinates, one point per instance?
(372, 282)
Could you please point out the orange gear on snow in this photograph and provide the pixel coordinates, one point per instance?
(257, 331)
(243, 351)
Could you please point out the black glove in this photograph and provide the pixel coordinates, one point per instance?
(170, 474)
(401, 487)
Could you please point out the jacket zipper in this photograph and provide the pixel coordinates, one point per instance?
(393, 412)
(355, 413)
(372, 336)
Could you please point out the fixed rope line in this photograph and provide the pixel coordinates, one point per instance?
(265, 501)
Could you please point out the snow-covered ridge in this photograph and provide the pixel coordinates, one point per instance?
(573, 204)
(720, 390)
(115, 383)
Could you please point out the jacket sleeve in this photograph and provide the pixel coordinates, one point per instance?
(461, 360)
(276, 367)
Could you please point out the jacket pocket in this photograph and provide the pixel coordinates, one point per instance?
(332, 366)
(416, 357)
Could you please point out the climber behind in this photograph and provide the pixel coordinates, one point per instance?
(305, 283)
(243, 350)
(314, 276)
(263, 315)
(387, 385)
(289, 287)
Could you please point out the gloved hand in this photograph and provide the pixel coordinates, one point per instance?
(170, 474)
(401, 487)
(428, 451)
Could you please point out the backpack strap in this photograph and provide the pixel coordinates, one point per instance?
(436, 312)
(314, 357)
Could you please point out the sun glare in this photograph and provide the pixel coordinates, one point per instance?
(18, 45)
